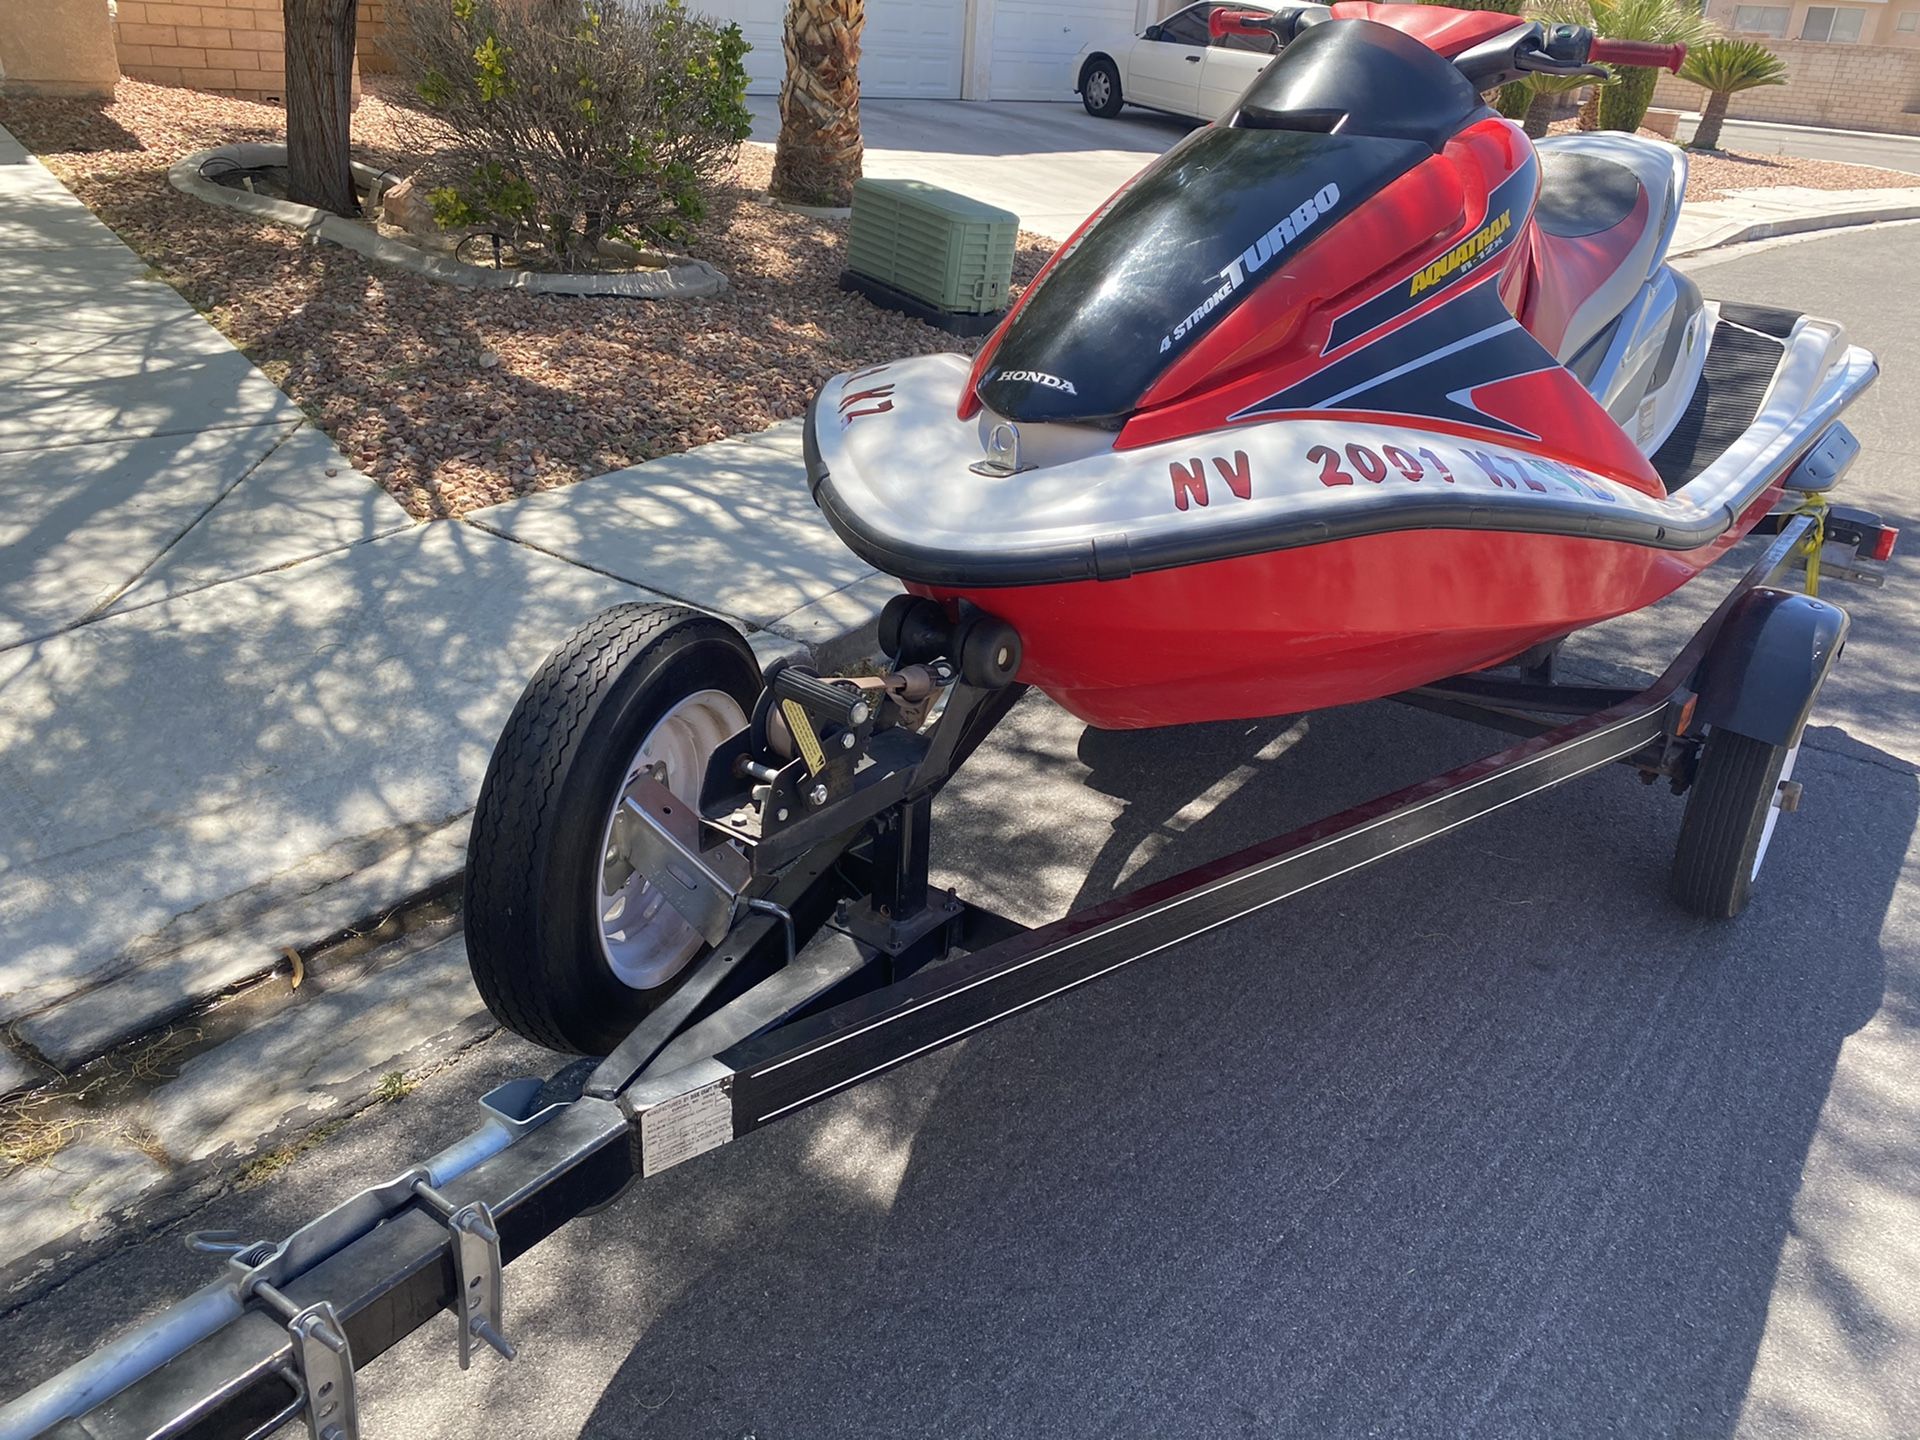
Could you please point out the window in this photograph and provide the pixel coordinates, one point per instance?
(1762, 20)
(1908, 23)
(1839, 26)
(1187, 27)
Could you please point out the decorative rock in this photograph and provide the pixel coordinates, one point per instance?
(406, 205)
(1662, 122)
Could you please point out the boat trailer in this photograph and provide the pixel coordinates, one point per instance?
(844, 964)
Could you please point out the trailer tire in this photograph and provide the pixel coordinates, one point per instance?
(534, 927)
(1732, 808)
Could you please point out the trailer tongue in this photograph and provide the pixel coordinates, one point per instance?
(832, 961)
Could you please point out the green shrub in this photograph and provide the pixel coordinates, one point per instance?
(564, 123)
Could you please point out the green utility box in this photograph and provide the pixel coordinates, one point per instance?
(941, 256)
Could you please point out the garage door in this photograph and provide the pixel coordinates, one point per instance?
(912, 48)
(1034, 42)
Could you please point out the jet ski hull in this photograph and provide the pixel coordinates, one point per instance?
(1298, 563)
(1319, 626)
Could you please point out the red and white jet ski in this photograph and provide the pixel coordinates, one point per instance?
(1353, 390)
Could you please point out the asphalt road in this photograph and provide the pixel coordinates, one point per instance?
(1489, 1141)
(1890, 152)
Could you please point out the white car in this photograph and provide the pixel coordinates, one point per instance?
(1176, 66)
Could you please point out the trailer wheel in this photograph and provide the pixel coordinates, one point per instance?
(568, 945)
(1732, 810)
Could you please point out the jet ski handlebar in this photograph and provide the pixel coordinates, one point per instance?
(1283, 23)
(1639, 53)
(1531, 49)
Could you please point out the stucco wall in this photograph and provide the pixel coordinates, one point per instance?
(1847, 87)
(238, 48)
(1880, 20)
(56, 47)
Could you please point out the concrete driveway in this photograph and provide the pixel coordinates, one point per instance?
(1050, 163)
(1488, 1141)
(1053, 164)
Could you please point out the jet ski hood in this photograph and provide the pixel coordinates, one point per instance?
(1218, 216)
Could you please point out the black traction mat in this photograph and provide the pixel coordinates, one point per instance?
(1765, 318)
(1740, 365)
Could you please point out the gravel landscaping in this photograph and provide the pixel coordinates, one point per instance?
(1711, 174)
(457, 399)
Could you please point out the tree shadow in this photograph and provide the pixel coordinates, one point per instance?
(72, 126)
(1488, 1140)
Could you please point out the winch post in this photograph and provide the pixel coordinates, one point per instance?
(901, 850)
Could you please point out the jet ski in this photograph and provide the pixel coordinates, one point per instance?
(1355, 389)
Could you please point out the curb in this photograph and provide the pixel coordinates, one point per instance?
(256, 1099)
(102, 1194)
(1740, 234)
(687, 279)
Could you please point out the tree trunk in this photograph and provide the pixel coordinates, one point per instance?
(1539, 114)
(320, 103)
(1590, 110)
(818, 155)
(1706, 135)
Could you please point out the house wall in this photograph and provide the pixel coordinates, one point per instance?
(57, 47)
(1880, 20)
(370, 38)
(1846, 87)
(236, 48)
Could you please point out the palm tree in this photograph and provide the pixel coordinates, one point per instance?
(1624, 100)
(1543, 98)
(818, 155)
(1723, 68)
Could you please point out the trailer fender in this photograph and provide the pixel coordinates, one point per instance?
(1768, 662)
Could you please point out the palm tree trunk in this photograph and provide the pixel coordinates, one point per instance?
(1707, 135)
(1539, 114)
(320, 103)
(1590, 110)
(818, 155)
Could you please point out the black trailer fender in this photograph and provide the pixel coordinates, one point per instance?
(1768, 662)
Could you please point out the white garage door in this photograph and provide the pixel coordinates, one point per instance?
(1034, 42)
(913, 48)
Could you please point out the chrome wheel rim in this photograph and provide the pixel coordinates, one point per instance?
(642, 938)
(1773, 811)
(1099, 89)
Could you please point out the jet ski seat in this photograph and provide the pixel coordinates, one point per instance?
(1605, 214)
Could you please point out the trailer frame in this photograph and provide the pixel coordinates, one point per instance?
(772, 1022)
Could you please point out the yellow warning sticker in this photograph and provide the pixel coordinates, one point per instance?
(801, 724)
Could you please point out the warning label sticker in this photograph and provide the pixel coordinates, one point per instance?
(801, 724)
(686, 1126)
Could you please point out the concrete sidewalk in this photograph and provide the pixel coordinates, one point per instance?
(244, 700)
